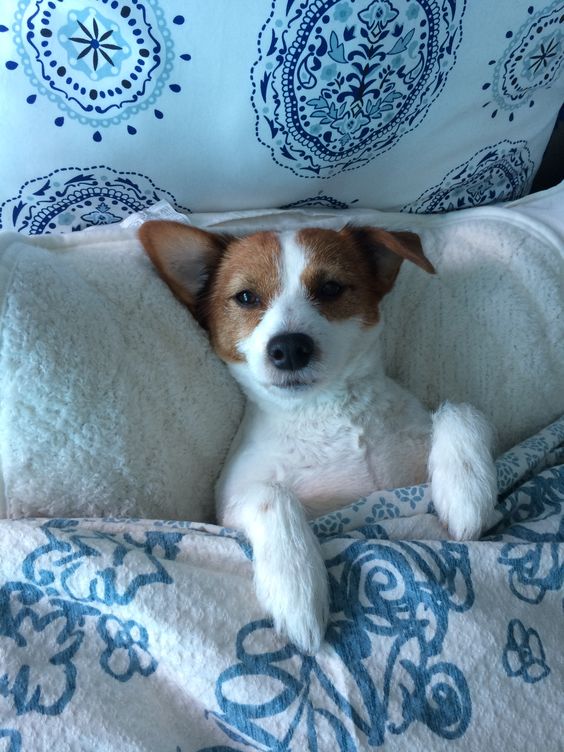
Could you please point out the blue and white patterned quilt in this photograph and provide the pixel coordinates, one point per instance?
(145, 635)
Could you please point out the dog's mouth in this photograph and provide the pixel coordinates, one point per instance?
(294, 384)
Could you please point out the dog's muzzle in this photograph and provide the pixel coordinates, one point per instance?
(290, 352)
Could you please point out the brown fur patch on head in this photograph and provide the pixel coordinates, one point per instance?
(333, 257)
(364, 260)
(251, 263)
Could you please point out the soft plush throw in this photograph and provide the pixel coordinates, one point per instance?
(111, 400)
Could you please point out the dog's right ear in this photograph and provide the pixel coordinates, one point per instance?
(184, 256)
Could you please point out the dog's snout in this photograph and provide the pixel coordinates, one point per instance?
(290, 352)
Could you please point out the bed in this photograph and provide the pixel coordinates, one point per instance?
(125, 626)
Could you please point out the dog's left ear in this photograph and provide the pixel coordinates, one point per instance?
(387, 251)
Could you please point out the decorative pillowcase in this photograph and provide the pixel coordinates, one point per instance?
(413, 105)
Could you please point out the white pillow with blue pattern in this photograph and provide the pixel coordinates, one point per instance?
(414, 105)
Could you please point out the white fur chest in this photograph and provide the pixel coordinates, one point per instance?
(324, 459)
(332, 453)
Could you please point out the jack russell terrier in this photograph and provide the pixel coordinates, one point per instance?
(295, 317)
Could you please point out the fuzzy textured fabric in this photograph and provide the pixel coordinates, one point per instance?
(112, 401)
(489, 328)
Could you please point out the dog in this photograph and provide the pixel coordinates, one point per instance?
(295, 315)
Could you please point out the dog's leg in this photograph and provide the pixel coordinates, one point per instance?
(463, 475)
(290, 575)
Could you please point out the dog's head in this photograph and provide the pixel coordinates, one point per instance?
(292, 312)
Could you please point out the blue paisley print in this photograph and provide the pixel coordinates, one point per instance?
(14, 739)
(339, 82)
(501, 172)
(321, 202)
(73, 198)
(100, 64)
(532, 61)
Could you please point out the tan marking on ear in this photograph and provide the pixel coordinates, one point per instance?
(249, 263)
(387, 250)
(184, 256)
(411, 249)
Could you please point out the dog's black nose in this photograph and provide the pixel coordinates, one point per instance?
(290, 352)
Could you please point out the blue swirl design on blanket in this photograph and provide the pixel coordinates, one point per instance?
(13, 737)
(396, 598)
(501, 172)
(523, 655)
(533, 61)
(535, 568)
(338, 82)
(102, 64)
(73, 198)
(62, 589)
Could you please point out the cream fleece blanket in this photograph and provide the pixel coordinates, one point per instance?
(111, 400)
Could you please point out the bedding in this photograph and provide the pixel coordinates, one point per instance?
(141, 415)
(420, 105)
(111, 397)
(131, 635)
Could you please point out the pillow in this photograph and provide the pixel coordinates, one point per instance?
(112, 400)
(419, 105)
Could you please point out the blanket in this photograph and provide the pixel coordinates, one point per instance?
(131, 634)
(110, 395)
(112, 401)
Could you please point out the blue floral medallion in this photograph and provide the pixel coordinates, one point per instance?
(101, 64)
(532, 61)
(73, 198)
(502, 172)
(339, 81)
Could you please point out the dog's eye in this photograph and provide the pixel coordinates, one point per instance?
(330, 290)
(247, 299)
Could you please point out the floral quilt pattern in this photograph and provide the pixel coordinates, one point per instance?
(151, 629)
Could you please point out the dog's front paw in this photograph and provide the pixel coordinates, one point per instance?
(465, 501)
(463, 520)
(297, 597)
(463, 475)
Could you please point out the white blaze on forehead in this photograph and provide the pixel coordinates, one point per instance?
(293, 262)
